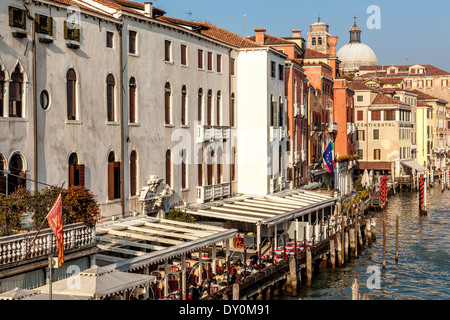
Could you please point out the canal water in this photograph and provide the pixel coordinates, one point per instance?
(423, 268)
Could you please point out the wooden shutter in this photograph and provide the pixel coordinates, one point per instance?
(167, 106)
(110, 180)
(183, 54)
(66, 30)
(183, 106)
(116, 180)
(209, 172)
(219, 173)
(133, 173)
(280, 119)
(23, 179)
(50, 26)
(200, 59)
(24, 19)
(208, 109)
(132, 102)
(183, 169)
(11, 16)
(132, 43)
(200, 174)
(218, 110)
(210, 56)
(199, 109)
(232, 112)
(71, 175)
(168, 168)
(80, 169)
(110, 82)
(274, 114)
(37, 22)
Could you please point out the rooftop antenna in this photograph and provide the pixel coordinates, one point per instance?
(355, 18)
(244, 23)
(189, 13)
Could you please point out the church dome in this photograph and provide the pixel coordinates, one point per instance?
(355, 53)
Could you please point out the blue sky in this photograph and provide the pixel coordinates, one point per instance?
(413, 31)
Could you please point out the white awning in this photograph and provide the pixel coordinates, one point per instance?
(267, 210)
(145, 240)
(413, 165)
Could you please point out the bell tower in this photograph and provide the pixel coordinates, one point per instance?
(318, 37)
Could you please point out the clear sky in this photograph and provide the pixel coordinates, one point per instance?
(411, 32)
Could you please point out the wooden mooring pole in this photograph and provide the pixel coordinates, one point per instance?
(332, 255)
(396, 238)
(384, 243)
(308, 267)
(355, 289)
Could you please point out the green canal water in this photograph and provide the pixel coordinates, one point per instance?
(423, 268)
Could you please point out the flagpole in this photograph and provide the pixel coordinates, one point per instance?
(43, 221)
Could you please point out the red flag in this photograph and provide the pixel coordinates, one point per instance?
(55, 221)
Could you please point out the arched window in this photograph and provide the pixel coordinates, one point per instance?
(232, 110)
(183, 169)
(2, 176)
(15, 93)
(132, 103)
(200, 105)
(113, 177)
(218, 108)
(219, 165)
(133, 173)
(71, 80)
(17, 175)
(200, 167)
(313, 42)
(183, 105)
(167, 93)
(209, 108)
(2, 86)
(168, 168)
(319, 41)
(210, 168)
(76, 171)
(110, 84)
(233, 164)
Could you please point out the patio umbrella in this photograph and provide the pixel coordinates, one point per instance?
(99, 282)
(18, 294)
(45, 296)
(365, 179)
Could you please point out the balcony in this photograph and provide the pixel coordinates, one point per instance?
(303, 111)
(14, 248)
(213, 192)
(296, 109)
(206, 133)
(332, 127)
(351, 128)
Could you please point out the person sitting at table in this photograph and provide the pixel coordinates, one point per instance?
(194, 293)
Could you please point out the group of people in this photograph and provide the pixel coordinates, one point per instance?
(238, 270)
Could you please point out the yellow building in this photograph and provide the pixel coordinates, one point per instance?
(424, 131)
(439, 131)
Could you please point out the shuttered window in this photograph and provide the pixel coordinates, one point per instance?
(133, 173)
(71, 33)
(219, 63)
(200, 105)
(113, 177)
(375, 115)
(132, 35)
(167, 50)
(200, 168)
(17, 18)
(110, 84)
(232, 66)
(210, 61)
(360, 115)
(168, 168)
(71, 79)
(218, 108)
(109, 39)
(44, 24)
(167, 111)
(232, 110)
(132, 102)
(15, 93)
(280, 117)
(183, 169)
(273, 111)
(183, 105)
(76, 171)
(209, 169)
(2, 85)
(183, 55)
(200, 59)
(209, 108)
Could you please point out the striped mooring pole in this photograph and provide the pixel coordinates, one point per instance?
(413, 179)
(421, 193)
(443, 180)
(448, 177)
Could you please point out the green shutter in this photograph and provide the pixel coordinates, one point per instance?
(66, 31)
(76, 33)
(37, 22)
(24, 19)
(50, 26)
(11, 16)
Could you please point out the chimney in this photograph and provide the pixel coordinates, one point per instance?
(332, 42)
(148, 9)
(259, 35)
(297, 33)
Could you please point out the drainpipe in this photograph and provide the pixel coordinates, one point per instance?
(122, 149)
(35, 140)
